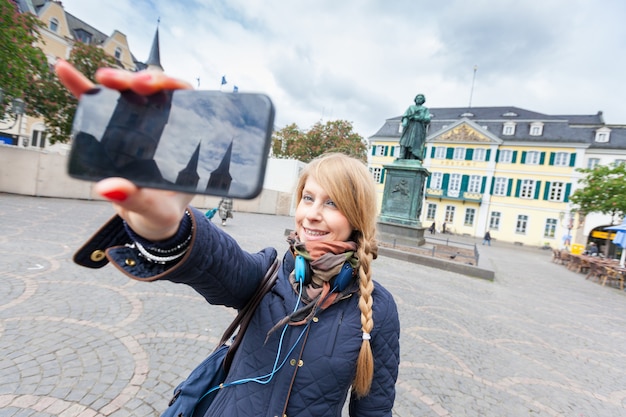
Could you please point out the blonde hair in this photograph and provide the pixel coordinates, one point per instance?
(349, 184)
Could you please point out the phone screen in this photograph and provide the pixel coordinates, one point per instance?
(199, 142)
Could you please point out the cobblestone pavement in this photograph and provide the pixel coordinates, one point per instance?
(538, 341)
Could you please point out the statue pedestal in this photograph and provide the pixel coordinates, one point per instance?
(402, 203)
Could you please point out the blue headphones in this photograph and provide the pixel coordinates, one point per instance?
(339, 283)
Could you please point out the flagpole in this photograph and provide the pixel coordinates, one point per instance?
(472, 89)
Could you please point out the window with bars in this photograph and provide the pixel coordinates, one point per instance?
(557, 190)
(527, 189)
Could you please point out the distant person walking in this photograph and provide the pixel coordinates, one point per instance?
(487, 238)
(443, 227)
(431, 229)
(225, 208)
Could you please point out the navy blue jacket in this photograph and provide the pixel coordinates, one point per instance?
(318, 366)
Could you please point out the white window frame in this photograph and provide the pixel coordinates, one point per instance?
(603, 135)
(549, 230)
(37, 138)
(527, 189)
(508, 129)
(593, 162)
(506, 156)
(480, 154)
(500, 186)
(521, 225)
(494, 220)
(431, 211)
(536, 129)
(561, 159)
(475, 182)
(557, 191)
(449, 216)
(54, 25)
(459, 154)
(454, 185)
(380, 150)
(377, 174)
(440, 152)
(436, 180)
(533, 158)
(470, 216)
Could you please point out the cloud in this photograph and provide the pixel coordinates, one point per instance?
(364, 61)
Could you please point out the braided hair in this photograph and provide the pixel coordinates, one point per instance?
(351, 187)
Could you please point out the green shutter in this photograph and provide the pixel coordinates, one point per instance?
(449, 153)
(493, 184)
(498, 155)
(568, 190)
(509, 188)
(542, 158)
(444, 182)
(482, 186)
(514, 157)
(428, 181)
(382, 175)
(374, 150)
(523, 160)
(432, 151)
(519, 186)
(469, 154)
(572, 159)
(393, 149)
(386, 150)
(552, 155)
(537, 189)
(464, 182)
(488, 155)
(546, 192)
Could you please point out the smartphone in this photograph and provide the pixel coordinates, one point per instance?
(191, 141)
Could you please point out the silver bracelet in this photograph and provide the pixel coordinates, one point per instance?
(158, 259)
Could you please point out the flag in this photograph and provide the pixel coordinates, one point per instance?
(223, 79)
(235, 89)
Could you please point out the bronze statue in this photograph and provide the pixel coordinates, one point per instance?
(415, 121)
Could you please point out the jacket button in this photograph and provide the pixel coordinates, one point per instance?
(292, 362)
(97, 255)
(315, 319)
(300, 363)
(130, 262)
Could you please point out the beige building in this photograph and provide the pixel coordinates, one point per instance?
(60, 31)
(505, 170)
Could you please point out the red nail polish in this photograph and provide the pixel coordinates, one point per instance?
(116, 195)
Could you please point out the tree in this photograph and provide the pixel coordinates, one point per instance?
(603, 191)
(20, 61)
(51, 100)
(333, 136)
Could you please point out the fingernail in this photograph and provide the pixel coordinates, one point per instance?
(116, 195)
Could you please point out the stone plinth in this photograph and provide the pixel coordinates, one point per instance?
(402, 203)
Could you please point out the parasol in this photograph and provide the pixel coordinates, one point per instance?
(620, 239)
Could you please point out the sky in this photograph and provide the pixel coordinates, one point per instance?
(365, 60)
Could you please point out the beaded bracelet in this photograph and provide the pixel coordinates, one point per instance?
(174, 247)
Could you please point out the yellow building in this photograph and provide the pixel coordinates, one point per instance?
(59, 33)
(505, 170)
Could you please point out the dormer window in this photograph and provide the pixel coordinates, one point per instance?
(536, 129)
(54, 24)
(508, 129)
(467, 114)
(603, 134)
(83, 36)
(510, 114)
(118, 53)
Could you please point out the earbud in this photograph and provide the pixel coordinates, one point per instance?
(301, 270)
(343, 278)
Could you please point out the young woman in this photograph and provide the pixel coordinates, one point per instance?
(320, 334)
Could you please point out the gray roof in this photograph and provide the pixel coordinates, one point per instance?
(556, 128)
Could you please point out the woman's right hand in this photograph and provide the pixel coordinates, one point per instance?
(153, 214)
